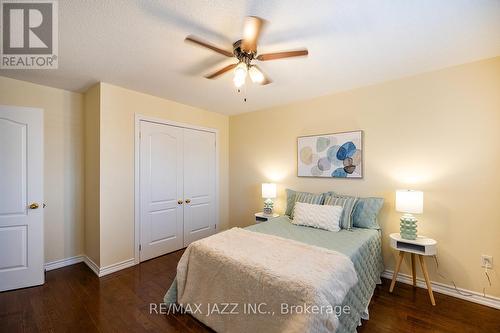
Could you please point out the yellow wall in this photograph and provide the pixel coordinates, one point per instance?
(92, 108)
(438, 132)
(118, 107)
(63, 162)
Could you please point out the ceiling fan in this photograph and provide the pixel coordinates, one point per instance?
(245, 51)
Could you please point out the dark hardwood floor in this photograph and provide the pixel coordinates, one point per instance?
(73, 299)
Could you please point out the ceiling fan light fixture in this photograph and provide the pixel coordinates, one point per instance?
(240, 74)
(256, 75)
(238, 82)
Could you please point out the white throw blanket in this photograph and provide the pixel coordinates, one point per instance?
(244, 281)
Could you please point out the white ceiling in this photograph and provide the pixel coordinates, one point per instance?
(139, 45)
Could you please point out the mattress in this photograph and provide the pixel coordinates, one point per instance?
(362, 246)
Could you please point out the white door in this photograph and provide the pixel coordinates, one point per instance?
(199, 185)
(161, 188)
(21, 187)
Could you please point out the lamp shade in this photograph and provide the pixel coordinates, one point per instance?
(268, 190)
(408, 201)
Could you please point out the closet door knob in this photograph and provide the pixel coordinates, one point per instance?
(179, 202)
(188, 201)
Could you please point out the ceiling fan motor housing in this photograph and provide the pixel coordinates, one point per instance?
(241, 55)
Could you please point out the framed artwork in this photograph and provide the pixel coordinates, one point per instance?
(336, 155)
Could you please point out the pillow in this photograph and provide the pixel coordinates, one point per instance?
(317, 216)
(310, 198)
(365, 212)
(348, 204)
(331, 194)
(290, 201)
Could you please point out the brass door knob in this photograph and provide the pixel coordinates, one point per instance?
(188, 201)
(34, 205)
(179, 202)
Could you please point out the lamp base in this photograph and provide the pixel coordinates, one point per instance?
(268, 207)
(408, 227)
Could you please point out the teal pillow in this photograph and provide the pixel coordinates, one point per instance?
(348, 204)
(292, 197)
(366, 212)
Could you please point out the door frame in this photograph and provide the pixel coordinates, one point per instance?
(137, 193)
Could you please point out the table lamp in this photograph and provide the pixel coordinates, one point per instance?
(268, 193)
(409, 202)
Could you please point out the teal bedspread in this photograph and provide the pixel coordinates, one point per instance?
(362, 246)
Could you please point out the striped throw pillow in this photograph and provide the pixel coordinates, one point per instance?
(290, 201)
(348, 203)
(310, 198)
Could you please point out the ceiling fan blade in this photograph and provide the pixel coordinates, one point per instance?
(251, 32)
(281, 55)
(201, 42)
(221, 71)
(258, 76)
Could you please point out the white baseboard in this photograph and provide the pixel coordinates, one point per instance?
(63, 262)
(449, 290)
(116, 267)
(99, 271)
(92, 265)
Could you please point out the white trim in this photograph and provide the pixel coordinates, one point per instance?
(137, 207)
(91, 264)
(449, 290)
(99, 271)
(140, 117)
(137, 125)
(116, 267)
(63, 262)
(102, 271)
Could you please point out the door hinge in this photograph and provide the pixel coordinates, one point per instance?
(140, 135)
(140, 247)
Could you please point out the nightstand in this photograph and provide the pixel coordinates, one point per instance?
(261, 217)
(422, 246)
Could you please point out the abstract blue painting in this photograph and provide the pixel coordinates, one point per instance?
(337, 155)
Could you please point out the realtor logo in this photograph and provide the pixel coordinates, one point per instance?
(29, 38)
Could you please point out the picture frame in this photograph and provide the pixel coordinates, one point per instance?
(332, 155)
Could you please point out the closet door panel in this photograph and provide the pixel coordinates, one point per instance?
(199, 185)
(161, 186)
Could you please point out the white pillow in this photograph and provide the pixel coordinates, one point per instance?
(317, 216)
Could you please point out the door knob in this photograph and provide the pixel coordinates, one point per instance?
(34, 205)
(188, 201)
(179, 202)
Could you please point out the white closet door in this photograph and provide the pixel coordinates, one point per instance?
(21, 197)
(199, 185)
(161, 188)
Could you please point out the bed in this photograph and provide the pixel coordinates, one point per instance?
(361, 246)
